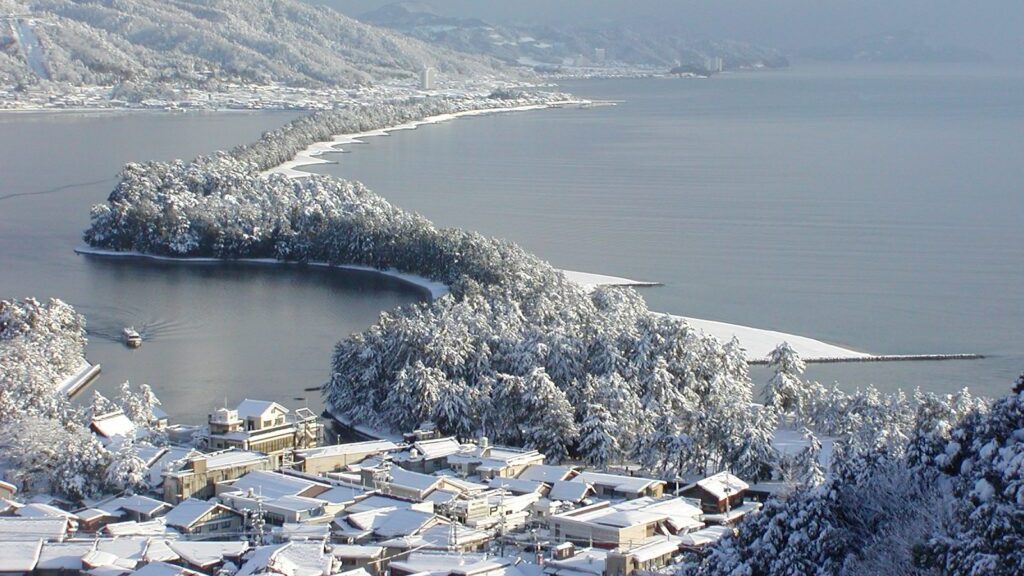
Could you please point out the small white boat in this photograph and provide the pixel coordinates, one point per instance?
(132, 338)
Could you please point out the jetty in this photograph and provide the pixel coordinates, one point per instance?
(881, 358)
(85, 374)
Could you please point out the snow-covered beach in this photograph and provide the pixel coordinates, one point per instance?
(312, 154)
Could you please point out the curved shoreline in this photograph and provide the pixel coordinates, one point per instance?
(430, 287)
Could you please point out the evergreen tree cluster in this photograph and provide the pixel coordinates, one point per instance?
(41, 344)
(949, 500)
(45, 441)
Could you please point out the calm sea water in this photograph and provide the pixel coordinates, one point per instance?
(877, 208)
(874, 207)
(213, 333)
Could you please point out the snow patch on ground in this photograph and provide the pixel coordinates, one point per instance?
(590, 281)
(759, 343)
(311, 155)
(789, 442)
(432, 287)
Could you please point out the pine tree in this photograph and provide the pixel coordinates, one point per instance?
(597, 445)
(784, 390)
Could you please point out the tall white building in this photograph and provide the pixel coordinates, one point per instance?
(427, 79)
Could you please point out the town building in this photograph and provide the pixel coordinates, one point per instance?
(201, 474)
(338, 457)
(267, 427)
(202, 517)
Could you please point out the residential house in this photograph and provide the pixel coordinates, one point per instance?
(197, 517)
(488, 461)
(427, 456)
(547, 473)
(353, 556)
(616, 486)
(17, 558)
(625, 524)
(263, 426)
(654, 553)
(718, 493)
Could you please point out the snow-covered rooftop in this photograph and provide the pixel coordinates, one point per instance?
(163, 569)
(272, 484)
(63, 555)
(257, 408)
(723, 485)
(350, 448)
(624, 484)
(19, 557)
(13, 528)
(341, 494)
(188, 512)
(206, 554)
(569, 491)
(114, 424)
(518, 485)
(155, 527)
(421, 483)
(546, 473)
(138, 503)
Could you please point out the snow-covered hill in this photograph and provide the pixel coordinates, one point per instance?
(207, 43)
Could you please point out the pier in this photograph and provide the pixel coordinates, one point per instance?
(882, 358)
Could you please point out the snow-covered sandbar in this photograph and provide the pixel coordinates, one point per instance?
(312, 154)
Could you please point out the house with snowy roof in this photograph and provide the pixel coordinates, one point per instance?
(427, 456)
(40, 510)
(264, 426)
(626, 524)
(584, 562)
(62, 557)
(354, 556)
(201, 474)
(487, 461)
(202, 517)
(323, 459)
(456, 564)
(113, 425)
(134, 507)
(648, 556)
(547, 473)
(21, 529)
(617, 486)
(718, 493)
(206, 556)
(155, 528)
(19, 557)
(288, 559)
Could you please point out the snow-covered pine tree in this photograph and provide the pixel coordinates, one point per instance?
(785, 390)
(597, 445)
(550, 426)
